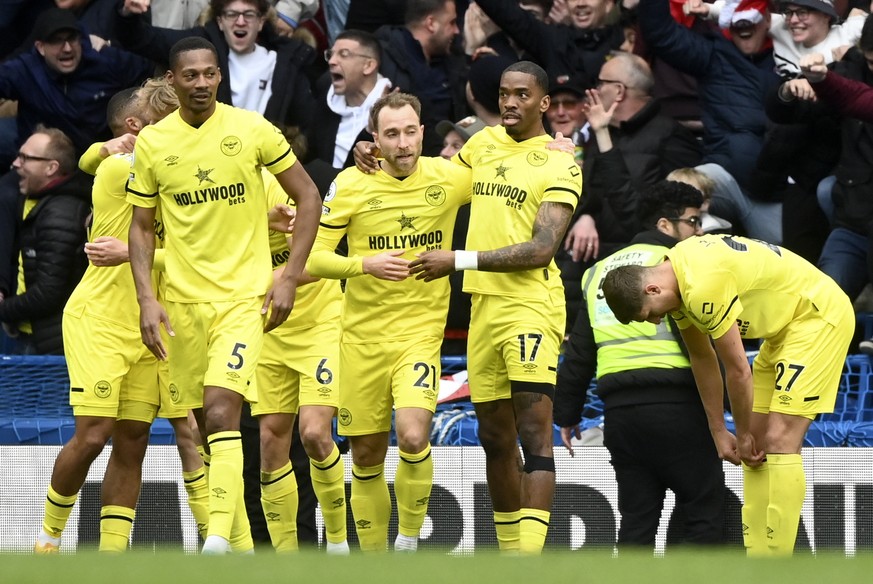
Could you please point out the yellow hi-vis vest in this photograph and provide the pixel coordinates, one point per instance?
(638, 345)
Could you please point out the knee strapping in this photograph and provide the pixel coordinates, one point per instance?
(533, 463)
(546, 389)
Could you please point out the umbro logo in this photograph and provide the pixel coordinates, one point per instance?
(363, 524)
(374, 203)
(219, 492)
(171, 160)
(272, 516)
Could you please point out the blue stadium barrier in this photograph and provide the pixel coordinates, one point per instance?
(35, 407)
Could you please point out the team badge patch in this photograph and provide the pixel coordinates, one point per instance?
(435, 195)
(231, 146)
(102, 389)
(537, 158)
(345, 417)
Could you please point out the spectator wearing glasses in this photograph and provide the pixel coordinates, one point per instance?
(734, 68)
(54, 201)
(800, 27)
(633, 147)
(261, 70)
(344, 96)
(655, 426)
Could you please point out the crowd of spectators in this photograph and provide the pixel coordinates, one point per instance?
(642, 88)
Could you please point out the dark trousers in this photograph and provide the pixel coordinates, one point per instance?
(656, 447)
(307, 534)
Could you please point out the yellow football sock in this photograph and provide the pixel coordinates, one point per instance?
(330, 490)
(57, 512)
(115, 525)
(506, 523)
(371, 507)
(756, 496)
(225, 481)
(412, 486)
(197, 487)
(241, 541)
(279, 500)
(532, 530)
(787, 491)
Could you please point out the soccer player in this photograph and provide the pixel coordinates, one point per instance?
(299, 374)
(730, 288)
(201, 166)
(655, 426)
(523, 199)
(113, 378)
(392, 325)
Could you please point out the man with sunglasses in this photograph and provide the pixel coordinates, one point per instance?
(721, 290)
(55, 199)
(654, 424)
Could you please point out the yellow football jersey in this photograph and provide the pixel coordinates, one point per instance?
(380, 213)
(108, 292)
(762, 287)
(208, 185)
(315, 303)
(510, 181)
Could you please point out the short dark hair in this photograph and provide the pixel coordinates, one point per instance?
(666, 199)
(191, 43)
(119, 107)
(865, 43)
(367, 40)
(418, 10)
(623, 291)
(60, 147)
(216, 7)
(393, 101)
(530, 68)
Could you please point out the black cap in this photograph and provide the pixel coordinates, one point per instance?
(573, 84)
(53, 21)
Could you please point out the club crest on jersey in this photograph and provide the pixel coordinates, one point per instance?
(231, 146)
(102, 389)
(536, 158)
(435, 195)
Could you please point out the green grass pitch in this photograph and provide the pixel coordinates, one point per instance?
(686, 567)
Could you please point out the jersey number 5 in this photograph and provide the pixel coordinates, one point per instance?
(238, 356)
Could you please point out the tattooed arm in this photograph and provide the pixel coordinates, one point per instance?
(549, 227)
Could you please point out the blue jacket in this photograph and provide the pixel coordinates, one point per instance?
(75, 103)
(732, 86)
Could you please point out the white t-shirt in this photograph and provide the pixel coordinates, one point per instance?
(251, 78)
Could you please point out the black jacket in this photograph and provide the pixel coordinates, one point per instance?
(51, 242)
(635, 387)
(560, 49)
(853, 203)
(646, 148)
(321, 137)
(291, 102)
(440, 84)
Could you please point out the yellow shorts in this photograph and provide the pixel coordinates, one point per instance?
(377, 376)
(215, 344)
(169, 392)
(112, 374)
(299, 368)
(512, 341)
(799, 372)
